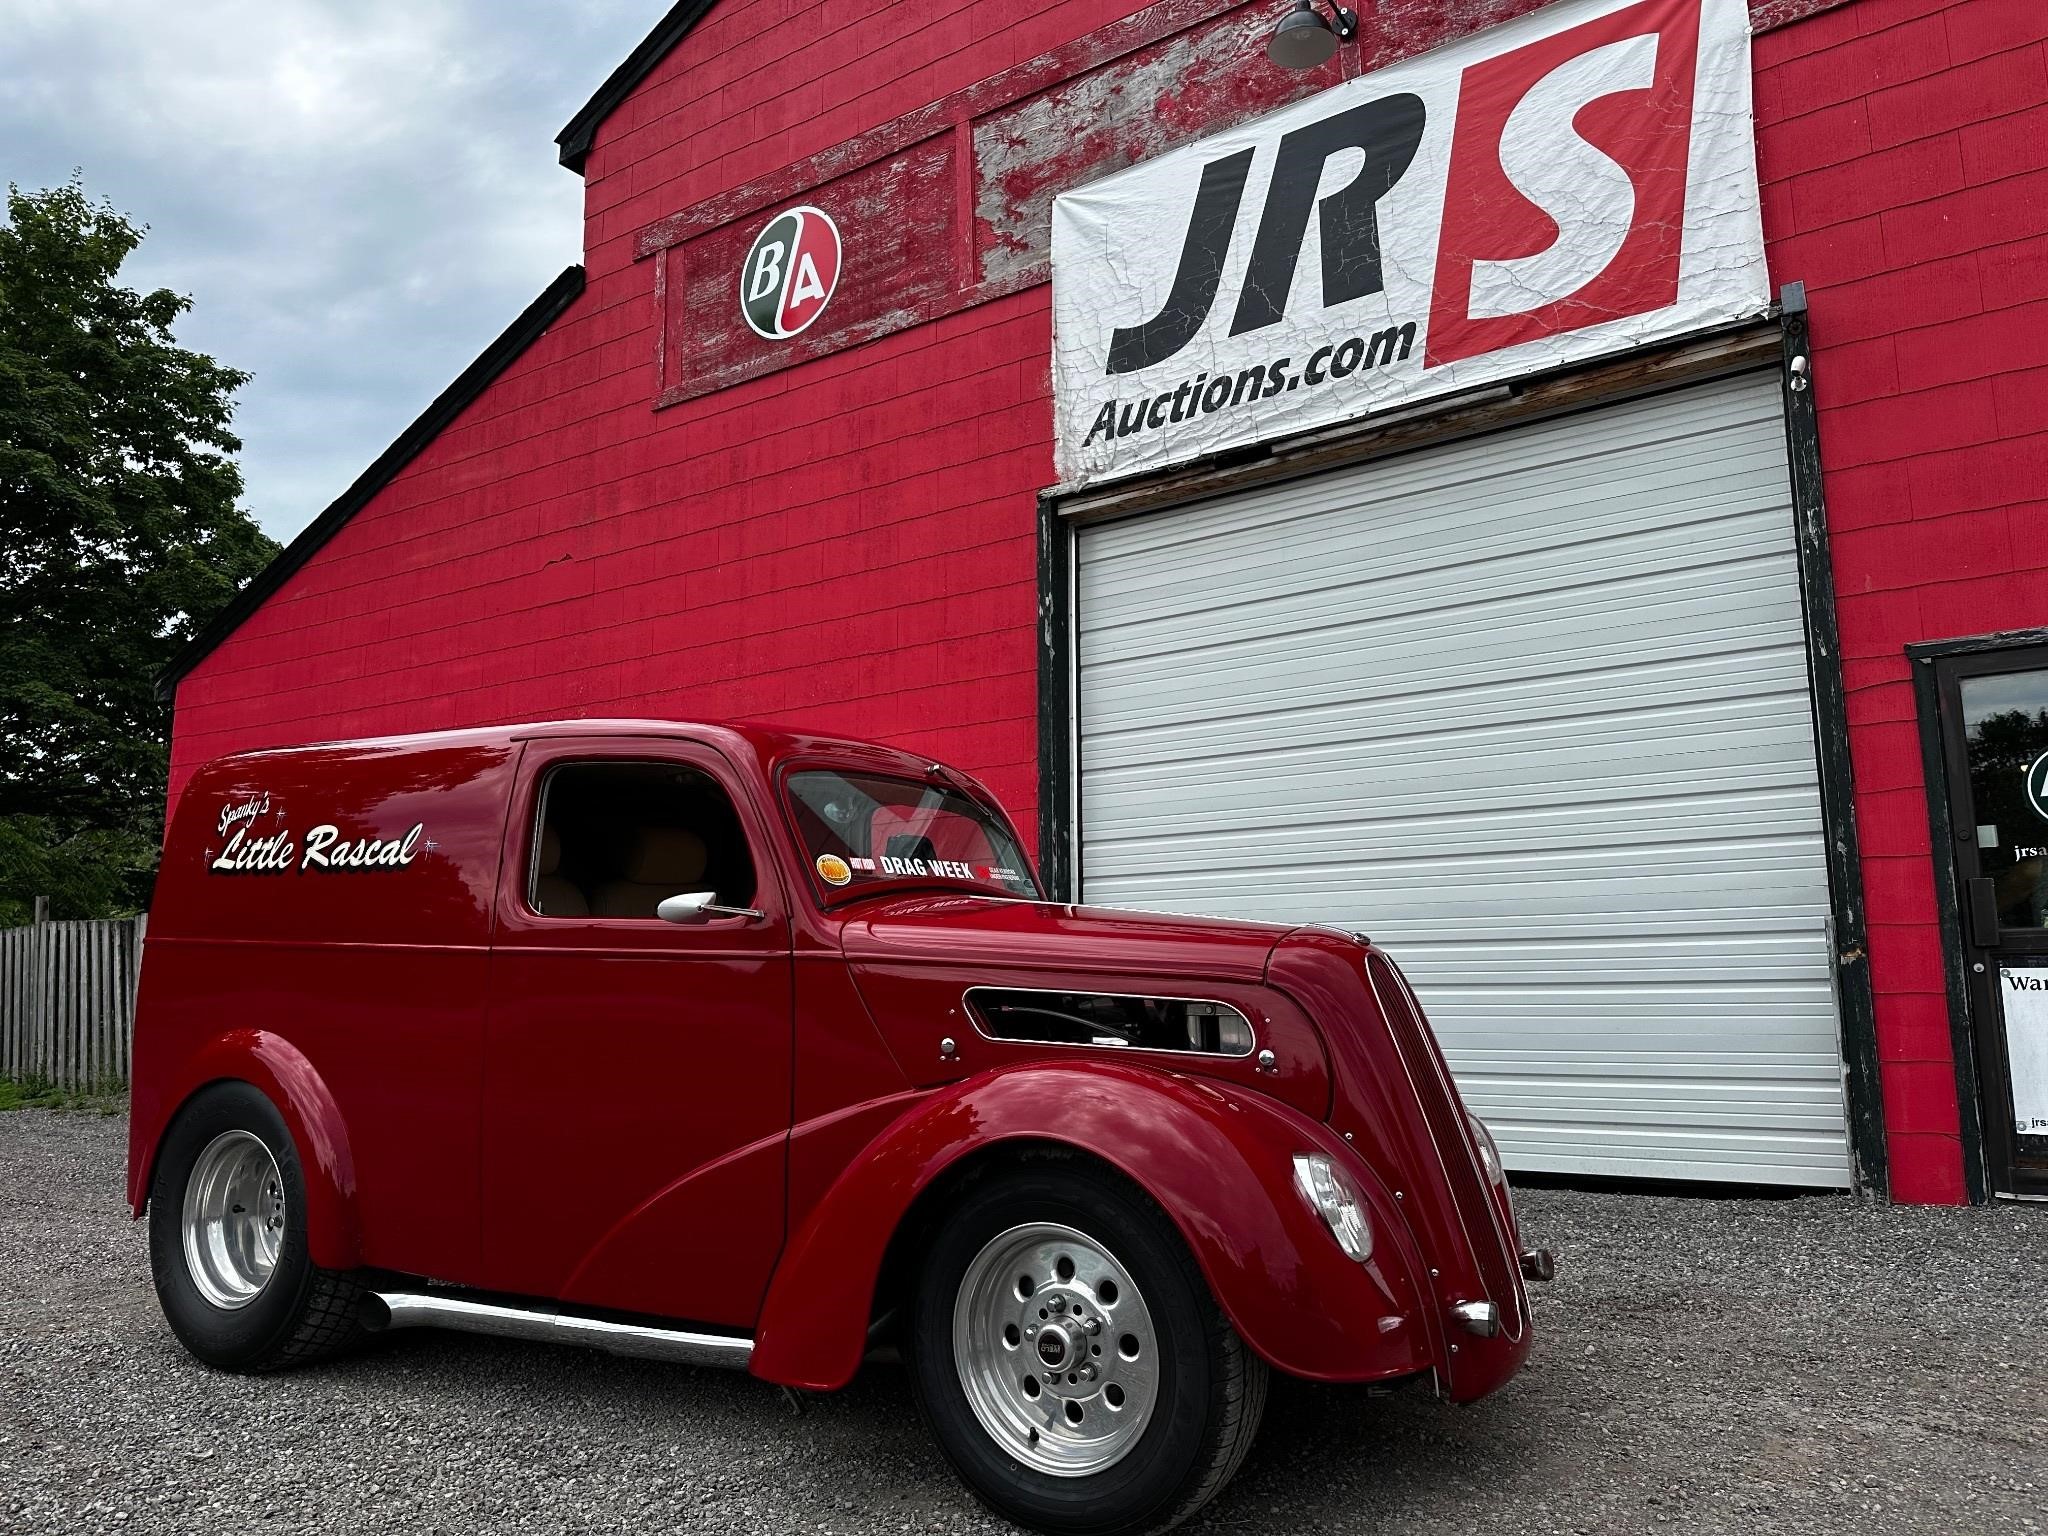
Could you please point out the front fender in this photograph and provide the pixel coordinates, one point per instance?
(281, 1071)
(1217, 1160)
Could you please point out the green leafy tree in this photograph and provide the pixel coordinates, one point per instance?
(119, 538)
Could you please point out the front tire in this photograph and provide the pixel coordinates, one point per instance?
(1070, 1360)
(227, 1240)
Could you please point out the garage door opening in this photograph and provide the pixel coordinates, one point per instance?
(1533, 709)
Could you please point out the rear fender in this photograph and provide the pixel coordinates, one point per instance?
(1217, 1160)
(281, 1071)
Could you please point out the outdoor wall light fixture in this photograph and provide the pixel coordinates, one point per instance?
(1303, 39)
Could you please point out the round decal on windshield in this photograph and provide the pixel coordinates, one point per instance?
(833, 870)
(790, 273)
(2037, 786)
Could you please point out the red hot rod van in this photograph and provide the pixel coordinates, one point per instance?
(1097, 1173)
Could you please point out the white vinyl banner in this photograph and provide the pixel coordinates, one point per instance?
(1562, 187)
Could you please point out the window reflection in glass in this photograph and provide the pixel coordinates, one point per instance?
(2005, 741)
(867, 829)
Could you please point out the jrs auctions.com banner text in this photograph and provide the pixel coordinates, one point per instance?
(1560, 188)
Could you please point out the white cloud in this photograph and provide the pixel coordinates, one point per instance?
(358, 196)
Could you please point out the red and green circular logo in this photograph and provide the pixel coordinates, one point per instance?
(788, 277)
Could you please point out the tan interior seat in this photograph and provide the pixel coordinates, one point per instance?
(555, 894)
(663, 862)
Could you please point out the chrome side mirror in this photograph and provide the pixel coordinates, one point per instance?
(698, 907)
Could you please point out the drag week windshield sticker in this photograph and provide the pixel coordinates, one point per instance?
(250, 846)
(884, 867)
(943, 869)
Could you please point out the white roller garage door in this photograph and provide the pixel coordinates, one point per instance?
(1532, 709)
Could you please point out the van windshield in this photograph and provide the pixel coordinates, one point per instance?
(862, 830)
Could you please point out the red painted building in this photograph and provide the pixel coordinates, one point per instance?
(633, 505)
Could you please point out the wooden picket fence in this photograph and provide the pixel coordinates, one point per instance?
(67, 1002)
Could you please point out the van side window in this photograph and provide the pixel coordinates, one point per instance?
(617, 839)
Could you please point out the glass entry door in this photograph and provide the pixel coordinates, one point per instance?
(1993, 709)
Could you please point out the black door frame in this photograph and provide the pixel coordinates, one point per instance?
(1059, 813)
(1972, 1009)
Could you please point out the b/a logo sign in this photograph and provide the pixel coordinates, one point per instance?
(1568, 185)
(790, 273)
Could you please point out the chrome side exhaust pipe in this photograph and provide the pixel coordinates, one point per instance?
(385, 1310)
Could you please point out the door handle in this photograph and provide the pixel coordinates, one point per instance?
(1982, 898)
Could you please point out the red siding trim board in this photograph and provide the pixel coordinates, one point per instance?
(849, 543)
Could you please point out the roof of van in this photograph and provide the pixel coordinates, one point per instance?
(767, 741)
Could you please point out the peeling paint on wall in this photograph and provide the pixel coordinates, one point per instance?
(993, 157)
(1111, 118)
(896, 227)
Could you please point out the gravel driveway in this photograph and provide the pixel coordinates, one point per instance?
(1802, 1364)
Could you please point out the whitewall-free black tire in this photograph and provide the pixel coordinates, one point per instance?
(227, 1239)
(1069, 1358)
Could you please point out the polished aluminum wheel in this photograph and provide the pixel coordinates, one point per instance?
(233, 1219)
(1056, 1349)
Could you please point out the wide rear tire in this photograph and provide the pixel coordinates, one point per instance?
(227, 1240)
(1070, 1360)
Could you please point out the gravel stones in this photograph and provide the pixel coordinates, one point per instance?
(1789, 1364)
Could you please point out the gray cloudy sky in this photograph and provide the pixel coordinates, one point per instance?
(357, 194)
